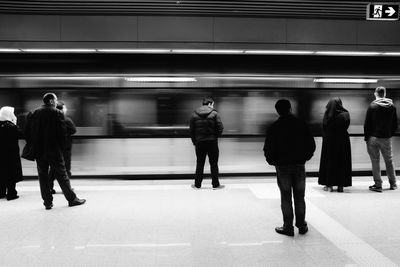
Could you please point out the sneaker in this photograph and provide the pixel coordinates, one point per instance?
(376, 188)
(283, 231)
(340, 189)
(76, 202)
(48, 207)
(303, 230)
(195, 187)
(219, 187)
(393, 186)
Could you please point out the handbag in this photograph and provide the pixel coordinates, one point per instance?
(27, 152)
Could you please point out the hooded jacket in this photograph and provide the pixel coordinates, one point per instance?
(205, 125)
(381, 119)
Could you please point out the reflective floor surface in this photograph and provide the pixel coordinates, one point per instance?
(167, 223)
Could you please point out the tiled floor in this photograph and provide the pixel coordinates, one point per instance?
(166, 223)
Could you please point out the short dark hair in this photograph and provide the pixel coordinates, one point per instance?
(208, 100)
(49, 96)
(283, 106)
(380, 91)
(60, 105)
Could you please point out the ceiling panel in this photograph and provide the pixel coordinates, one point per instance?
(354, 10)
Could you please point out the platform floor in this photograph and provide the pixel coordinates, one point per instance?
(166, 223)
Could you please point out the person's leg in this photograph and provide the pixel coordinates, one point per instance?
(52, 178)
(201, 153)
(285, 187)
(299, 187)
(373, 151)
(2, 191)
(11, 191)
(213, 155)
(57, 164)
(387, 154)
(67, 160)
(43, 172)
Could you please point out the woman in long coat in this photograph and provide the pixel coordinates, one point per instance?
(335, 165)
(10, 161)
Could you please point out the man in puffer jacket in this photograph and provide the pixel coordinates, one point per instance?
(205, 128)
(379, 127)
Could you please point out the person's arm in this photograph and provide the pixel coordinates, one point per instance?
(367, 125)
(394, 123)
(192, 130)
(61, 129)
(27, 129)
(270, 147)
(310, 143)
(71, 129)
(219, 125)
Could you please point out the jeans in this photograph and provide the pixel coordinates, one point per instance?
(292, 178)
(204, 148)
(384, 145)
(56, 163)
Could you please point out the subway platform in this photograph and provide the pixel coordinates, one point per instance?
(167, 223)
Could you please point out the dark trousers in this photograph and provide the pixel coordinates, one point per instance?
(57, 164)
(67, 162)
(8, 190)
(292, 178)
(204, 148)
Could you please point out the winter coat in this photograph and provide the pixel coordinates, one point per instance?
(10, 161)
(46, 131)
(205, 125)
(381, 119)
(71, 130)
(335, 165)
(288, 142)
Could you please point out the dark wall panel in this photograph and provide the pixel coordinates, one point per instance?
(99, 28)
(379, 32)
(175, 29)
(29, 28)
(249, 30)
(321, 31)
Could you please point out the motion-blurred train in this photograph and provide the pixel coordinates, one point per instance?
(131, 123)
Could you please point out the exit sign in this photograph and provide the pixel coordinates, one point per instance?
(383, 11)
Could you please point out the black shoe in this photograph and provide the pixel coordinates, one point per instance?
(376, 188)
(76, 202)
(48, 207)
(283, 231)
(219, 187)
(2, 196)
(195, 187)
(53, 191)
(12, 197)
(340, 189)
(393, 186)
(303, 230)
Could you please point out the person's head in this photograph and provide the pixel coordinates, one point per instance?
(50, 99)
(7, 114)
(61, 106)
(380, 92)
(208, 101)
(283, 107)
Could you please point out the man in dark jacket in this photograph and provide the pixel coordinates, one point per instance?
(46, 132)
(67, 152)
(288, 145)
(379, 127)
(205, 128)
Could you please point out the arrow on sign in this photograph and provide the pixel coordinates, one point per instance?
(391, 11)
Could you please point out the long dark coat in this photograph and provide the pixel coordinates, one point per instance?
(335, 165)
(10, 161)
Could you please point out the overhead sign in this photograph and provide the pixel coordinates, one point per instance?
(383, 11)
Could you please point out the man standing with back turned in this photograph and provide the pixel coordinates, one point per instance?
(46, 132)
(288, 145)
(205, 128)
(379, 127)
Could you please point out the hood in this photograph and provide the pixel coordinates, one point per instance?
(7, 114)
(204, 111)
(384, 102)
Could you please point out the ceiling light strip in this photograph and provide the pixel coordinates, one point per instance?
(344, 80)
(161, 79)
